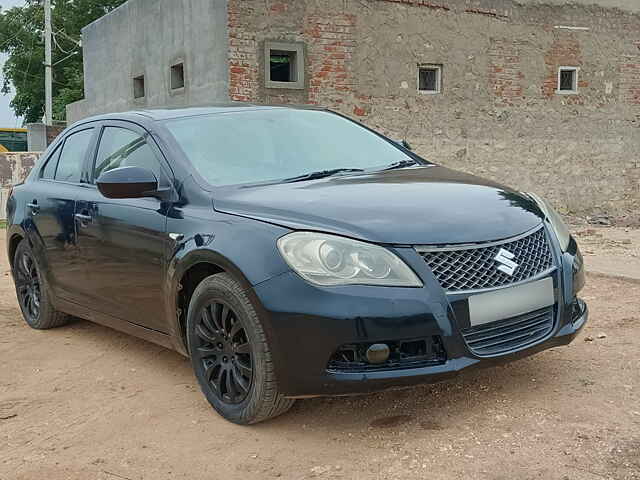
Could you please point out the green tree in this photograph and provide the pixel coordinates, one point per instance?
(22, 39)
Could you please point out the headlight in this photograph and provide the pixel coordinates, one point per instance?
(558, 225)
(331, 260)
(578, 273)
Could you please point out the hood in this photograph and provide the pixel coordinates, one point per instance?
(418, 205)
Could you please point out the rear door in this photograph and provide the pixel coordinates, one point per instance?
(51, 207)
(122, 241)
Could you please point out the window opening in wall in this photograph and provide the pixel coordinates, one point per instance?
(568, 80)
(430, 78)
(284, 65)
(138, 87)
(177, 76)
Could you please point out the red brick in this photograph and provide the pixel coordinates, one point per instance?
(565, 51)
(279, 8)
(359, 111)
(505, 75)
(630, 82)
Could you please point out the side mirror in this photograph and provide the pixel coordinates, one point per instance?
(128, 182)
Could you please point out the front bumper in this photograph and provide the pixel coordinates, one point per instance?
(306, 324)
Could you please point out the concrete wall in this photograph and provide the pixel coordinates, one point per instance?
(145, 37)
(630, 5)
(40, 136)
(498, 114)
(15, 166)
(36, 136)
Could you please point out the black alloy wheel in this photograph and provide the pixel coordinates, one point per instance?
(230, 353)
(28, 285)
(33, 292)
(225, 352)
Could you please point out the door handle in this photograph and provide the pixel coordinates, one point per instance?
(83, 219)
(35, 208)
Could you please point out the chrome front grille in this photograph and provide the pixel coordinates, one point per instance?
(474, 267)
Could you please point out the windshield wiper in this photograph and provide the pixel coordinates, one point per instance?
(401, 164)
(321, 174)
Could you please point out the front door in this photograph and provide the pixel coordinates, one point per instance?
(122, 241)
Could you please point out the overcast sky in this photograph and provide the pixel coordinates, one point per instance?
(7, 118)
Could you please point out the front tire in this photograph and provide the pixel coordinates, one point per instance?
(32, 291)
(230, 354)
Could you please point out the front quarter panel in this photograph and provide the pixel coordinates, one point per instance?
(244, 248)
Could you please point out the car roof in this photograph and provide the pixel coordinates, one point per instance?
(156, 114)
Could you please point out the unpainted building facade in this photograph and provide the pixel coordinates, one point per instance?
(542, 95)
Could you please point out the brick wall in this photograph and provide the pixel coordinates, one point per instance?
(630, 81)
(498, 114)
(564, 51)
(243, 52)
(331, 45)
(53, 132)
(506, 79)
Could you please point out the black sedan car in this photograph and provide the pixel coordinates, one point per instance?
(289, 252)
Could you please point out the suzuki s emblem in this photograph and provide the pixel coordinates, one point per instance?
(505, 259)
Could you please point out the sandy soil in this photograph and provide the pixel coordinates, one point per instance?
(85, 402)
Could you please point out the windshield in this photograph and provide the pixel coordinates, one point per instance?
(263, 145)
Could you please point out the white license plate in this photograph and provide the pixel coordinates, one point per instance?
(510, 302)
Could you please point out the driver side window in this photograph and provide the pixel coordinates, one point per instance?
(120, 147)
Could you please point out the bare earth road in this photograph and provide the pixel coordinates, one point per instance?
(84, 402)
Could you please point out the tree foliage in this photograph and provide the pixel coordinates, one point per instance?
(22, 39)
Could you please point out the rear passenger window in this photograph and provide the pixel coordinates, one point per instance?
(49, 170)
(72, 156)
(120, 147)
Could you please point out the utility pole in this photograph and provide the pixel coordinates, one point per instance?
(48, 76)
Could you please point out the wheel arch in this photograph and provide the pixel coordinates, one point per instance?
(190, 271)
(12, 245)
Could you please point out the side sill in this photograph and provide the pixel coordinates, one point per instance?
(144, 333)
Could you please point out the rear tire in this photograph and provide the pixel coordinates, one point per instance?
(230, 354)
(32, 291)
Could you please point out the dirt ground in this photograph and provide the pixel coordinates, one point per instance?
(613, 251)
(84, 402)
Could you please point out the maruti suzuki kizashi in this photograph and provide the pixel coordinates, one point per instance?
(289, 252)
